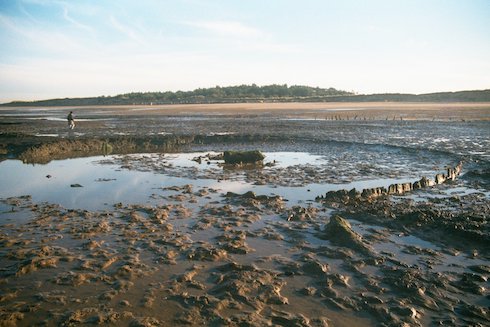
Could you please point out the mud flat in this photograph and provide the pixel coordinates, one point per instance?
(175, 236)
(131, 129)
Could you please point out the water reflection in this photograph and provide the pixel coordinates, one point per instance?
(106, 184)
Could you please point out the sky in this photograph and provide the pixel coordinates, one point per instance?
(57, 49)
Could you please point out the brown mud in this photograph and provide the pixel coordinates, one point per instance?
(38, 134)
(204, 256)
(244, 259)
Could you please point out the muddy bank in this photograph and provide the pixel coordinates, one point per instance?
(43, 150)
(207, 255)
(235, 259)
(63, 149)
(442, 127)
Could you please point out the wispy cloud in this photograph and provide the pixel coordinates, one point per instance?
(30, 35)
(226, 28)
(74, 22)
(126, 30)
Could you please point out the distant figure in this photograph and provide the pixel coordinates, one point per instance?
(71, 121)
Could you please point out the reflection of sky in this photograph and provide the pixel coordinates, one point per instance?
(285, 159)
(18, 179)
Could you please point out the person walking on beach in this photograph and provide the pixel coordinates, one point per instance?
(71, 121)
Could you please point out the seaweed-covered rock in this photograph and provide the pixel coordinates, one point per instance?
(243, 157)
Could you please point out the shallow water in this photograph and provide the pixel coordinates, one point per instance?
(147, 261)
(103, 185)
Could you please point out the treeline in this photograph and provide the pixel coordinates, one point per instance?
(460, 96)
(241, 93)
(254, 93)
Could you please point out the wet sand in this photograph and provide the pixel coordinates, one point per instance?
(191, 254)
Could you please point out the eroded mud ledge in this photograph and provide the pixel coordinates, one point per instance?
(446, 219)
(44, 149)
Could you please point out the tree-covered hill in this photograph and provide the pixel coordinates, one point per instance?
(242, 93)
(254, 93)
(460, 96)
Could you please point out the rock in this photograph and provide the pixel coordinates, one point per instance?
(343, 196)
(407, 187)
(395, 189)
(243, 157)
(400, 188)
(339, 232)
(440, 178)
(425, 182)
(451, 174)
(373, 192)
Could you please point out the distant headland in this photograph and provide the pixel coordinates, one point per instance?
(253, 94)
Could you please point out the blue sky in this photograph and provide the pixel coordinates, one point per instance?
(55, 48)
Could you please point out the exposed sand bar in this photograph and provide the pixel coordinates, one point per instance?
(475, 111)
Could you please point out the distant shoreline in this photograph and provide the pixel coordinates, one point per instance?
(253, 94)
(309, 110)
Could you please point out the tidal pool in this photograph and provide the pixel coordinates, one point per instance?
(103, 185)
